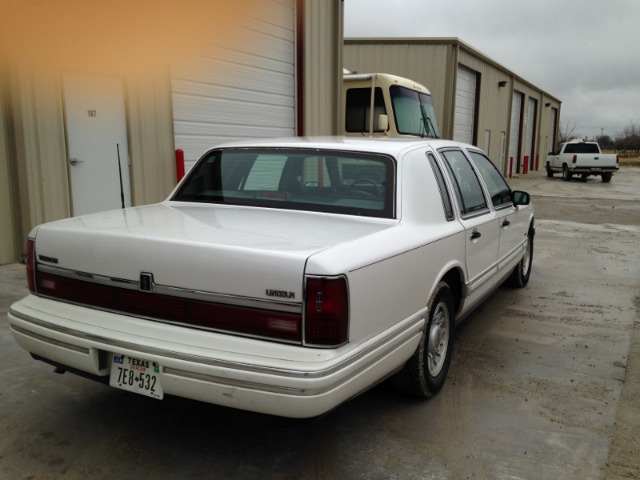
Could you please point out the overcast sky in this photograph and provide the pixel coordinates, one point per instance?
(586, 53)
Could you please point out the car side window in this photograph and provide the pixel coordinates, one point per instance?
(444, 193)
(499, 191)
(466, 184)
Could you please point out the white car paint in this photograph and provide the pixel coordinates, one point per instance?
(243, 254)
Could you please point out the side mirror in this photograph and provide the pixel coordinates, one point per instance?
(520, 198)
(383, 123)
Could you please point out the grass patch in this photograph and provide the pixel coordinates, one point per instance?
(626, 161)
(633, 161)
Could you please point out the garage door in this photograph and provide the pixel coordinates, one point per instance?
(242, 90)
(464, 120)
(514, 135)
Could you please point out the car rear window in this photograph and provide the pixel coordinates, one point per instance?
(314, 180)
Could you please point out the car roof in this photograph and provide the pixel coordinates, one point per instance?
(392, 146)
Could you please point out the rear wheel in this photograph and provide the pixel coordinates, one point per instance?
(566, 174)
(425, 372)
(606, 177)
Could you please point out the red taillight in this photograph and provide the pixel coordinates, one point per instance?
(617, 159)
(214, 316)
(575, 159)
(326, 312)
(31, 265)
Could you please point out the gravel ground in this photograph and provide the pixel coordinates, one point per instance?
(597, 203)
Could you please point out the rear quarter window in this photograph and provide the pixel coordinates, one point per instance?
(442, 186)
(469, 194)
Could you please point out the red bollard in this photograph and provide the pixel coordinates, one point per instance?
(179, 164)
(537, 162)
(525, 166)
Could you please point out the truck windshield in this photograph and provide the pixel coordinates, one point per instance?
(414, 113)
(313, 180)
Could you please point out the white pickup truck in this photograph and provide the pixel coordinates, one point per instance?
(581, 158)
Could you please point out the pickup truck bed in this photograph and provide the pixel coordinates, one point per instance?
(581, 158)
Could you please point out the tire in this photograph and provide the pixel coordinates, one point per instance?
(606, 177)
(566, 174)
(425, 372)
(549, 171)
(584, 178)
(520, 275)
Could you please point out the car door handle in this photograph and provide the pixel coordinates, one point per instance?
(506, 223)
(475, 235)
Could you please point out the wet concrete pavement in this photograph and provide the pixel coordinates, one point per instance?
(541, 385)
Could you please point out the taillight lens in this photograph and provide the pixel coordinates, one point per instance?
(214, 316)
(617, 159)
(326, 312)
(575, 159)
(31, 264)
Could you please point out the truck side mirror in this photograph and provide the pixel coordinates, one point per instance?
(383, 123)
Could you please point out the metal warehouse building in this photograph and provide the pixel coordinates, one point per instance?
(78, 141)
(476, 100)
(68, 137)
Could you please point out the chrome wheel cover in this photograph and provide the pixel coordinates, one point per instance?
(438, 339)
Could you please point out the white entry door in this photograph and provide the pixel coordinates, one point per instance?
(96, 143)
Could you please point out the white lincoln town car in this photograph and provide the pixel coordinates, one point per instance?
(281, 276)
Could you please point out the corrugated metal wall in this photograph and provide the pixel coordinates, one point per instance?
(39, 153)
(493, 103)
(34, 154)
(151, 145)
(536, 117)
(9, 212)
(34, 183)
(515, 130)
(321, 57)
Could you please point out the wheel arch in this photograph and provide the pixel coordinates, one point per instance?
(455, 279)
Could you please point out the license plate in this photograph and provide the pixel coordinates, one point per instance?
(596, 170)
(136, 375)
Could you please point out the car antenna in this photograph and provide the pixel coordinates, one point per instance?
(120, 173)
